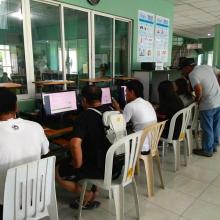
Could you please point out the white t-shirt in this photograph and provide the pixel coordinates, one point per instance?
(141, 113)
(21, 141)
(204, 75)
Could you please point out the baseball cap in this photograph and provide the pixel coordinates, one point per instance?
(184, 61)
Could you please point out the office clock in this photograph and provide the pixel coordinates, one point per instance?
(93, 2)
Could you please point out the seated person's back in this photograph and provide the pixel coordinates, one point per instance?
(22, 141)
(88, 147)
(89, 127)
(139, 111)
(169, 104)
(183, 91)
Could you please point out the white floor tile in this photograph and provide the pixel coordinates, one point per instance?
(212, 195)
(209, 164)
(216, 182)
(186, 185)
(149, 211)
(199, 173)
(201, 210)
(172, 200)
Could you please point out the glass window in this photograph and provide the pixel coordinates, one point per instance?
(210, 58)
(45, 24)
(76, 44)
(12, 58)
(103, 46)
(200, 57)
(121, 48)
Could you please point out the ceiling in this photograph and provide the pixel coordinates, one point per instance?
(196, 18)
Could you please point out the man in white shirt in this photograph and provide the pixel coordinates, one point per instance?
(139, 111)
(21, 141)
(207, 91)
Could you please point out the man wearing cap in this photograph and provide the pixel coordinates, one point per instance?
(207, 91)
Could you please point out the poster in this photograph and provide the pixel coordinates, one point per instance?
(161, 39)
(145, 47)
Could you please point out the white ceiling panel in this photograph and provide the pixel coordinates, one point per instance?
(196, 18)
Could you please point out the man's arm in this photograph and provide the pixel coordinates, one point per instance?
(76, 152)
(198, 92)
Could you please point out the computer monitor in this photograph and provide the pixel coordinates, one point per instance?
(123, 92)
(59, 102)
(106, 96)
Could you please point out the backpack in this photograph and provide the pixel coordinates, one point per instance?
(114, 124)
(115, 128)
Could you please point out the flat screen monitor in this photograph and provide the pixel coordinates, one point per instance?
(59, 102)
(106, 96)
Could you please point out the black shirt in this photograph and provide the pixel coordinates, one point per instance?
(89, 127)
(169, 108)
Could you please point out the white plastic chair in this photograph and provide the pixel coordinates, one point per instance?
(131, 146)
(153, 133)
(185, 113)
(192, 126)
(30, 191)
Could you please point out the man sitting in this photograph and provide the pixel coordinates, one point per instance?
(139, 111)
(21, 141)
(88, 148)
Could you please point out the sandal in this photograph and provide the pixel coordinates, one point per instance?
(88, 206)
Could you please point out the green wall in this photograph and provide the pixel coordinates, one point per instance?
(207, 43)
(129, 9)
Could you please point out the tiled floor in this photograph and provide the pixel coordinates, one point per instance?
(192, 193)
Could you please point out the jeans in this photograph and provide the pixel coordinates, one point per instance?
(210, 124)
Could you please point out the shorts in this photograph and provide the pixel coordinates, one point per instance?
(68, 172)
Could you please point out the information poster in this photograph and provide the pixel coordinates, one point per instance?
(146, 23)
(161, 39)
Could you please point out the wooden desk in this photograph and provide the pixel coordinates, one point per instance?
(10, 85)
(125, 78)
(55, 82)
(50, 133)
(97, 80)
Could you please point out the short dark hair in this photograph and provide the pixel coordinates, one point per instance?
(183, 87)
(92, 93)
(8, 101)
(137, 87)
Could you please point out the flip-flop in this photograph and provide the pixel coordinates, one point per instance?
(89, 206)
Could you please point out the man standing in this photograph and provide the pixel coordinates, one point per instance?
(207, 91)
(88, 148)
(139, 111)
(21, 141)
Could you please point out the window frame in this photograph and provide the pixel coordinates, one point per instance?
(28, 47)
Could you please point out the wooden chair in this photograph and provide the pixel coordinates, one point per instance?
(153, 133)
(30, 191)
(131, 146)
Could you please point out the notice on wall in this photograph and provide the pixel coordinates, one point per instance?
(162, 27)
(145, 47)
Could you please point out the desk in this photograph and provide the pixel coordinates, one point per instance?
(49, 83)
(125, 78)
(51, 133)
(97, 80)
(10, 85)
